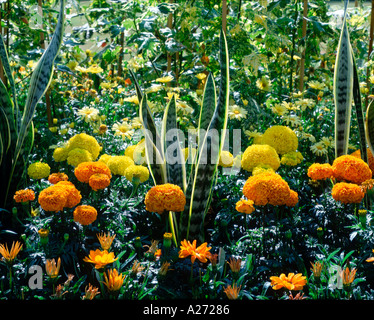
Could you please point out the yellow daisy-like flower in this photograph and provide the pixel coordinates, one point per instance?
(38, 170)
(88, 114)
(123, 129)
(133, 99)
(316, 85)
(264, 83)
(262, 154)
(94, 69)
(281, 138)
(237, 112)
(319, 148)
(165, 79)
(100, 258)
(201, 252)
(291, 281)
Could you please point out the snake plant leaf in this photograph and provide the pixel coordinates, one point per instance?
(343, 89)
(369, 127)
(211, 146)
(8, 127)
(153, 150)
(359, 112)
(174, 158)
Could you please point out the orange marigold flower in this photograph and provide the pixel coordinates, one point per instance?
(24, 195)
(53, 198)
(357, 154)
(351, 169)
(163, 197)
(85, 215)
(99, 181)
(57, 177)
(74, 195)
(293, 199)
(85, 170)
(201, 253)
(291, 282)
(267, 188)
(318, 171)
(100, 258)
(245, 206)
(347, 192)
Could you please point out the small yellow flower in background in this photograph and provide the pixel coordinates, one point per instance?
(291, 282)
(237, 112)
(263, 83)
(88, 114)
(105, 240)
(133, 99)
(51, 268)
(154, 88)
(94, 69)
(319, 149)
(165, 79)
(232, 292)
(316, 85)
(201, 253)
(123, 129)
(38, 170)
(113, 280)
(292, 120)
(279, 109)
(100, 258)
(226, 159)
(10, 255)
(119, 164)
(201, 76)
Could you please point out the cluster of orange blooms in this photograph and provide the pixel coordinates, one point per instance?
(24, 196)
(96, 173)
(352, 173)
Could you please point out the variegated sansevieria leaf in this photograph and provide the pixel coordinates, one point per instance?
(343, 89)
(208, 155)
(39, 82)
(153, 145)
(369, 127)
(359, 112)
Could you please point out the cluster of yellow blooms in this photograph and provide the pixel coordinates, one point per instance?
(38, 170)
(351, 172)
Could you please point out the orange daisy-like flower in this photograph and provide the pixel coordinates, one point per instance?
(291, 282)
(24, 195)
(347, 192)
(267, 188)
(57, 177)
(201, 253)
(85, 170)
(99, 181)
(85, 215)
(163, 197)
(232, 292)
(52, 268)
(100, 258)
(351, 169)
(105, 240)
(10, 255)
(113, 280)
(245, 206)
(318, 171)
(53, 198)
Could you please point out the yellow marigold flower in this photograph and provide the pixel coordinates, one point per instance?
(137, 171)
(281, 138)
(99, 181)
(347, 192)
(201, 253)
(291, 282)
(351, 169)
(58, 176)
(100, 258)
(60, 154)
(119, 164)
(133, 99)
(292, 158)
(267, 188)
(53, 198)
(114, 280)
(262, 154)
(85, 214)
(104, 158)
(77, 156)
(10, 255)
(232, 292)
(84, 141)
(226, 159)
(24, 195)
(163, 197)
(38, 170)
(245, 206)
(73, 194)
(130, 151)
(51, 268)
(319, 171)
(293, 199)
(105, 240)
(261, 169)
(85, 170)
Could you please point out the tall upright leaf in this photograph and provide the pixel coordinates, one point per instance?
(343, 84)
